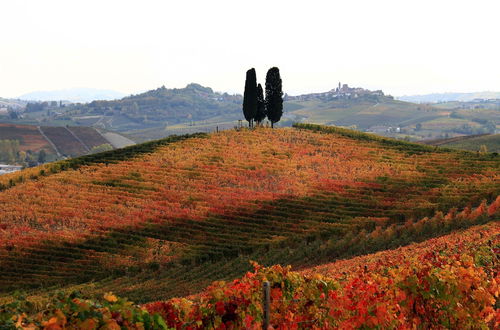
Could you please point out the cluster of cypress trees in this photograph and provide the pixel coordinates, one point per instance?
(255, 107)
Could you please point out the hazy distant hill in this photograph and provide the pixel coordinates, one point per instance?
(11, 103)
(445, 97)
(81, 95)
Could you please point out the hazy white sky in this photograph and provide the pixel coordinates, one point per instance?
(400, 46)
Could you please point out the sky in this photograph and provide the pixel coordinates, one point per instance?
(402, 47)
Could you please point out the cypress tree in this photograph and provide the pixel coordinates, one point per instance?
(261, 105)
(274, 96)
(250, 96)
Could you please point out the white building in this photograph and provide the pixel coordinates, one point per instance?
(4, 169)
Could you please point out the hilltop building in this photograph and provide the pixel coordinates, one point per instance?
(343, 91)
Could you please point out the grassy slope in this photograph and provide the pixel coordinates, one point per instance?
(327, 184)
(435, 121)
(472, 143)
(362, 113)
(492, 143)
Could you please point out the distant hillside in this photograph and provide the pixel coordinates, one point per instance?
(446, 97)
(472, 143)
(194, 102)
(81, 95)
(28, 137)
(154, 109)
(365, 110)
(366, 113)
(56, 142)
(153, 114)
(372, 111)
(162, 112)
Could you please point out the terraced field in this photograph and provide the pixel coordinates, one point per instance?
(69, 141)
(66, 143)
(88, 135)
(166, 219)
(28, 136)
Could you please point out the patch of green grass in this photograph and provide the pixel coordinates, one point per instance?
(492, 143)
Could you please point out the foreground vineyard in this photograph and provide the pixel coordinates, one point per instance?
(449, 282)
(166, 219)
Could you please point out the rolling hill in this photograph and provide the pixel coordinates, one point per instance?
(364, 110)
(364, 114)
(375, 112)
(161, 107)
(162, 112)
(150, 115)
(168, 217)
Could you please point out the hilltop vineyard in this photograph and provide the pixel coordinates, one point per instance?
(167, 218)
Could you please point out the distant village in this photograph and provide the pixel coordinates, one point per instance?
(343, 91)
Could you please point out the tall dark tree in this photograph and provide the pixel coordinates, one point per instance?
(261, 105)
(250, 96)
(42, 156)
(274, 96)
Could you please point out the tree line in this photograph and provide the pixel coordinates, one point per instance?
(10, 153)
(255, 107)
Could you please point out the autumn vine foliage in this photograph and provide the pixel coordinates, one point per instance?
(447, 282)
(450, 282)
(169, 217)
(76, 312)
